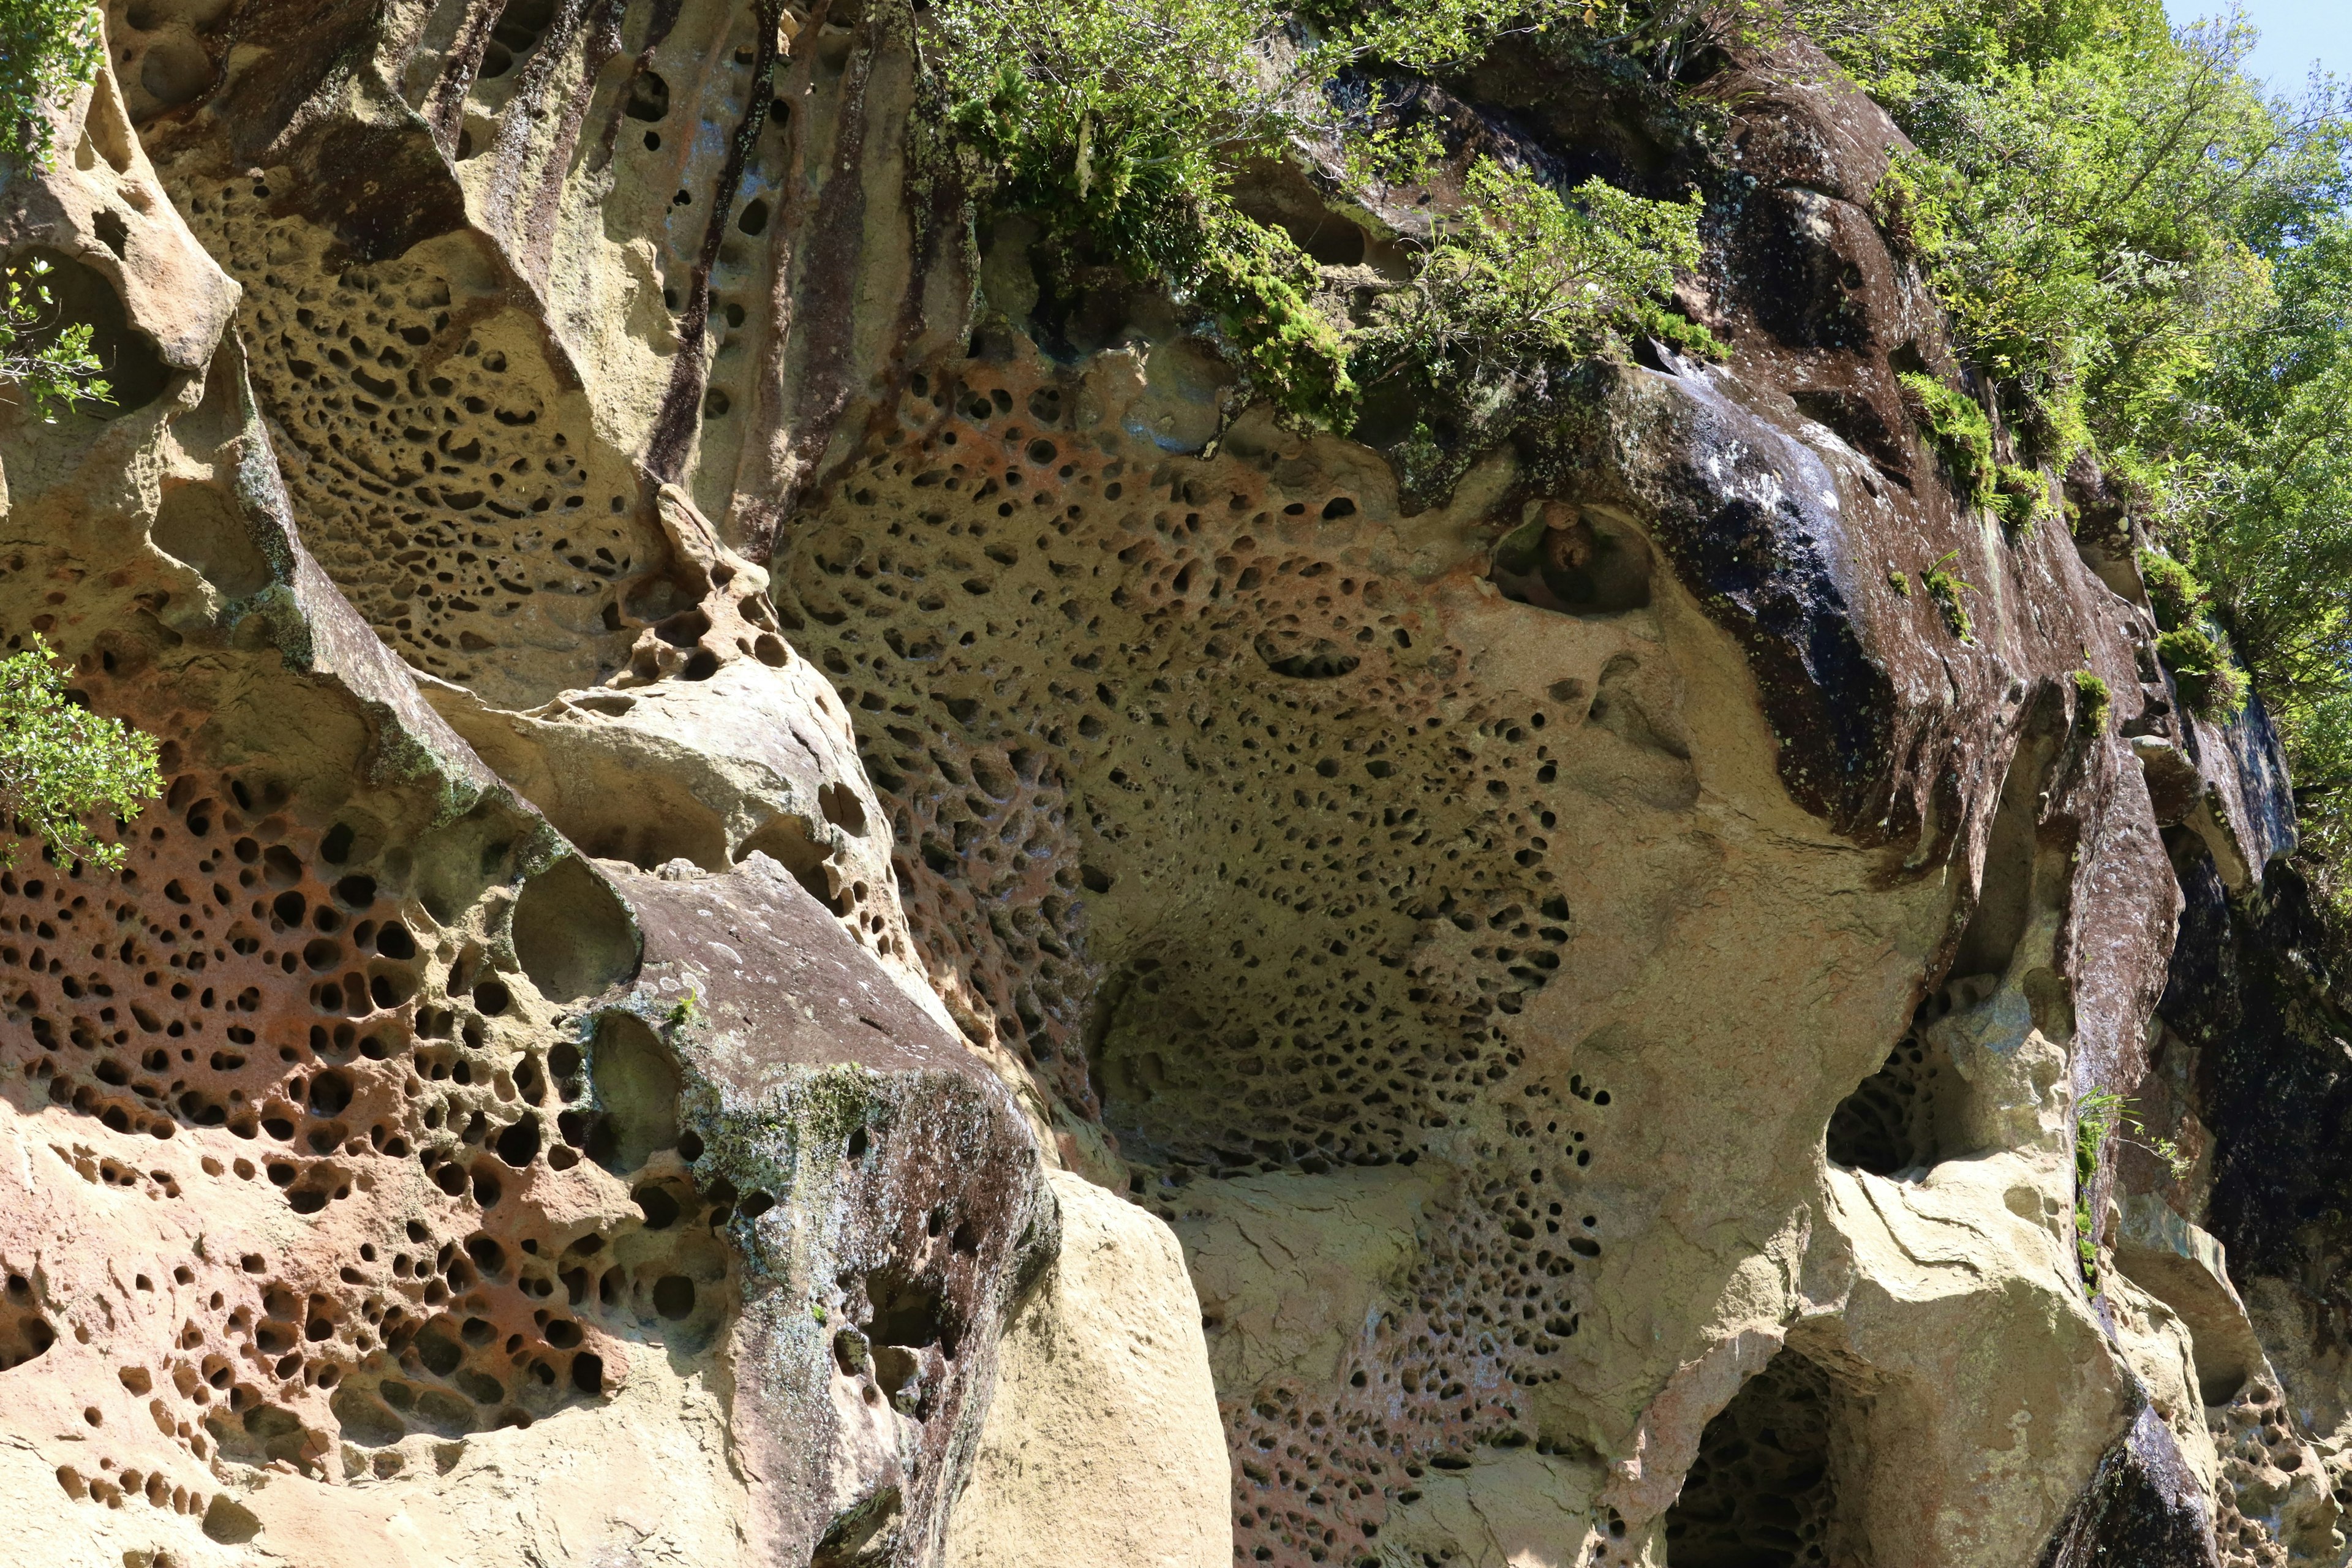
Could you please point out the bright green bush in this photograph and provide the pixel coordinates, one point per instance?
(48, 49)
(2208, 678)
(1523, 276)
(1120, 126)
(61, 764)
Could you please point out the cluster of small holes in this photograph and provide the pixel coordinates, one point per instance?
(256, 986)
(484, 534)
(2260, 1453)
(1762, 1492)
(1053, 645)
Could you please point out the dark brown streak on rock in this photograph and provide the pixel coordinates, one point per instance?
(601, 23)
(528, 236)
(658, 31)
(760, 467)
(838, 233)
(444, 106)
(681, 412)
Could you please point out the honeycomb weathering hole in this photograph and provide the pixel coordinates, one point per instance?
(638, 1088)
(1771, 1487)
(200, 525)
(572, 935)
(1888, 1124)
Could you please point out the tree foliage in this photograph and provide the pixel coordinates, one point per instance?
(49, 49)
(61, 764)
(2151, 256)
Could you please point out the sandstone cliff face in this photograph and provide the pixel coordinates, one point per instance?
(818, 907)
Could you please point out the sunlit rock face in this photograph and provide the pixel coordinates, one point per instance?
(822, 904)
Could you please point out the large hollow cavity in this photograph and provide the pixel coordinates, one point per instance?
(636, 1088)
(572, 934)
(201, 526)
(129, 362)
(1769, 1487)
(1574, 560)
(2006, 903)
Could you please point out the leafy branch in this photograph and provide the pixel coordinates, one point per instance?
(61, 764)
(49, 364)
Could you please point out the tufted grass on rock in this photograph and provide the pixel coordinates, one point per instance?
(2094, 703)
(1944, 587)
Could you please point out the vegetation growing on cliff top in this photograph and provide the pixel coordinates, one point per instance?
(2150, 256)
(2147, 255)
(1121, 126)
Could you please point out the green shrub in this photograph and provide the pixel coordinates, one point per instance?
(2209, 679)
(2173, 591)
(2093, 703)
(1945, 588)
(1523, 276)
(1962, 432)
(1260, 284)
(49, 49)
(60, 764)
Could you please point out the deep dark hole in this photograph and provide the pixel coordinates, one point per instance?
(1761, 1493)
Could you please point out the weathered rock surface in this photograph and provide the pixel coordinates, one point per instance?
(1102, 1444)
(821, 908)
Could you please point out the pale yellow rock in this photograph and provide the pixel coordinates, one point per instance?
(1103, 1448)
(1513, 1508)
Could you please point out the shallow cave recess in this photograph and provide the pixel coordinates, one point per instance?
(1774, 1483)
(1906, 1117)
(1888, 1124)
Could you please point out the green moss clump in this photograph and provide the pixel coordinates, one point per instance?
(2021, 496)
(2093, 703)
(1898, 582)
(2209, 680)
(1946, 588)
(2173, 591)
(2094, 1122)
(1962, 431)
